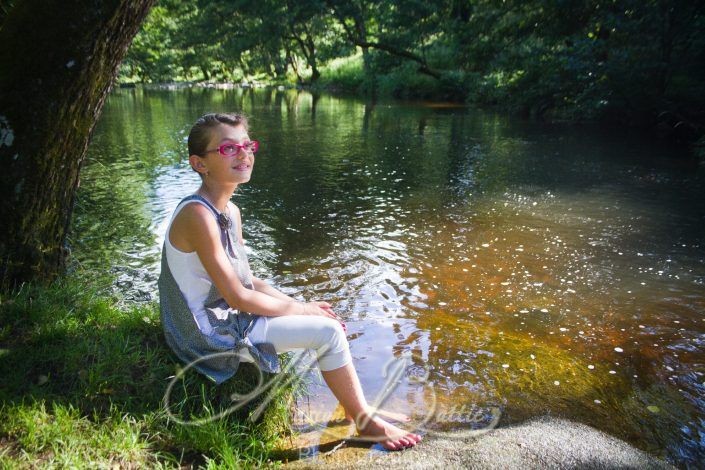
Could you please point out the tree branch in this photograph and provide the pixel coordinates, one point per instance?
(355, 39)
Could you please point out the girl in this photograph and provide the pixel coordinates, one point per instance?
(212, 305)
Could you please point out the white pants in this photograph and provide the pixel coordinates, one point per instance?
(289, 332)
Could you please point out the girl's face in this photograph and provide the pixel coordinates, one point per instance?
(235, 168)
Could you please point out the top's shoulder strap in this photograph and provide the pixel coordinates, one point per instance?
(224, 232)
(201, 198)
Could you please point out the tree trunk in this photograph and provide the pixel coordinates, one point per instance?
(315, 74)
(59, 59)
(204, 71)
(308, 49)
(279, 64)
(291, 60)
(361, 28)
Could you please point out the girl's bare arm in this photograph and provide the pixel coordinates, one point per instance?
(204, 236)
(264, 287)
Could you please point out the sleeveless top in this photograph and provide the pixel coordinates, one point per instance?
(189, 273)
(213, 348)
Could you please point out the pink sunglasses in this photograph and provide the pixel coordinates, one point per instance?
(228, 149)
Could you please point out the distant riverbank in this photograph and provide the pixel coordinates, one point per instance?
(350, 81)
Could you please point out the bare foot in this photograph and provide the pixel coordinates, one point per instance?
(391, 415)
(388, 435)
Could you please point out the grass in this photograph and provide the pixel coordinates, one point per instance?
(347, 74)
(83, 383)
(343, 74)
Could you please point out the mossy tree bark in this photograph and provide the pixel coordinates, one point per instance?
(57, 63)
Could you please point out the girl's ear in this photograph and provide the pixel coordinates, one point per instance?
(196, 162)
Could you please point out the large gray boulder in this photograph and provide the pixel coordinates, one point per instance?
(539, 443)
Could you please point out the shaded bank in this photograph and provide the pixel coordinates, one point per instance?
(344, 81)
(83, 384)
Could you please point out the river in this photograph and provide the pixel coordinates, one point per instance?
(527, 267)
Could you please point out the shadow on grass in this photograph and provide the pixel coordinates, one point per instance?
(83, 382)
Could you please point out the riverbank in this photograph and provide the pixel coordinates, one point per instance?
(543, 442)
(345, 77)
(83, 383)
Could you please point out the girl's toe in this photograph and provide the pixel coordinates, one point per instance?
(390, 445)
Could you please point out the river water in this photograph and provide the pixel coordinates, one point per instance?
(528, 268)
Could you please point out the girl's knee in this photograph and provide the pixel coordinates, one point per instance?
(334, 328)
(334, 351)
(332, 333)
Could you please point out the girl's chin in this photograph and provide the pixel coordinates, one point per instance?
(242, 178)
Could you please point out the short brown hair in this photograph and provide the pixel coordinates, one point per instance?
(200, 135)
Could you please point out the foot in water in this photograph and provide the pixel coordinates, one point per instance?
(388, 435)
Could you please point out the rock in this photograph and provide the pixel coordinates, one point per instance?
(539, 443)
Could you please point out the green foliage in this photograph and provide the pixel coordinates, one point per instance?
(627, 60)
(152, 55)
(404, 82)
(586, 60)
(5, 7)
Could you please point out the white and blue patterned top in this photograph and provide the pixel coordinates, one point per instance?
(230, 326)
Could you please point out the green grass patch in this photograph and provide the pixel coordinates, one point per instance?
(347, 74)
(343, 74)
(83, 384)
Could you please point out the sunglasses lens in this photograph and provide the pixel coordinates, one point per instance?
(232, 149)
(228, 150)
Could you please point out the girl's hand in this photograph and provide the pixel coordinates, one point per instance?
(324, 309)
(314, 308)
(326, 306)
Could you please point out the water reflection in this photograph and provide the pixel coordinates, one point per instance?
(536, 268)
